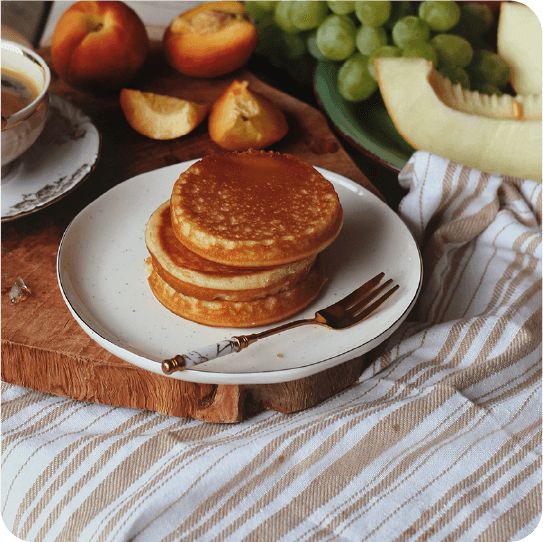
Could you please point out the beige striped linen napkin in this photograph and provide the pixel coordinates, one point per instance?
(440, 440)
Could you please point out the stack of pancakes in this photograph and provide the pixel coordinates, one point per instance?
(237, 244)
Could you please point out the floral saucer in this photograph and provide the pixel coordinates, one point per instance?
(62, 157)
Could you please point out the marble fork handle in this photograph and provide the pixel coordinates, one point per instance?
(228, 346)
(207, 353)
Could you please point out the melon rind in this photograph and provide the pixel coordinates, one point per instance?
(519, 43)
(495, 145)
(520, 107)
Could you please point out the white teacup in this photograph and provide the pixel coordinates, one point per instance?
(25, 100)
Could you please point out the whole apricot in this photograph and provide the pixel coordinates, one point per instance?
(241, 119)
(210, 40)
(99, 46)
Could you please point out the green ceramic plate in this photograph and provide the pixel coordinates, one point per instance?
(366, 125)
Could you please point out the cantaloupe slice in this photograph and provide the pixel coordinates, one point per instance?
(411, 92)
(519, 44)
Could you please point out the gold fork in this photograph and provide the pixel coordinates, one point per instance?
(341, 315)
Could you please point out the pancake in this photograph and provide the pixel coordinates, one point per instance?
(254, 209)
(239, 314)
(192, 275)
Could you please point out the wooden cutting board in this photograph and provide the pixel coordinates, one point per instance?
(44, 348)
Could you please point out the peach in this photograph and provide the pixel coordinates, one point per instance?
(99, 46)
(160, 117)
(210, 40)
(242, 119)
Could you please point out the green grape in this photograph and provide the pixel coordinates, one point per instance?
(269, 36)
(255, 11)
(475, 20)
(312, 47)
(441, 16)
(456, 75)
(410, 29)
(285, 48)
(341, 8)
(486, 88)
(294, 46)
(354, 81)
(421, 50)
(282, 17)
(452, 50)
(369, 38)
(385, 51)
(372, 13)
(308, 14)
(488, 67)
(336, 37)
(268, 5)
(399, 9)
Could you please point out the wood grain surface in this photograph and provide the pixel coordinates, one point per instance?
(44, 348)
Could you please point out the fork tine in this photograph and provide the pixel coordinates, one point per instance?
(353, 297)
(365, 300)
(375, 305)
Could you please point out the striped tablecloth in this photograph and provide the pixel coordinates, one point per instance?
(439, 440)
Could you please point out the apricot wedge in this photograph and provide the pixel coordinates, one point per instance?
(242, 119)
(413, 97)
(160, 117)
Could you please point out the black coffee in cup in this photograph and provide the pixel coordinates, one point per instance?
(18, 91)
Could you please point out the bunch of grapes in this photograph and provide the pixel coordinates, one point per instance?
(295, 34)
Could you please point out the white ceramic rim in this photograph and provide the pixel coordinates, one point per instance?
(37, 59)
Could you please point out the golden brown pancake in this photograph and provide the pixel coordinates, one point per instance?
(254, 209)
(220, 313)
(192, 275)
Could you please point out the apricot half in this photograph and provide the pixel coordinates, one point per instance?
(210, 40)
(242, 119)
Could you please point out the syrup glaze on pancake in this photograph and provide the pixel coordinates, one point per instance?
(235, 314)
(254, 209)
(194, 276)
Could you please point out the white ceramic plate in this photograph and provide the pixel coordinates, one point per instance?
(103, 281)
(62, 157)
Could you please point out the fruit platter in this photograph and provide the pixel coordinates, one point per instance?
(474, 49)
